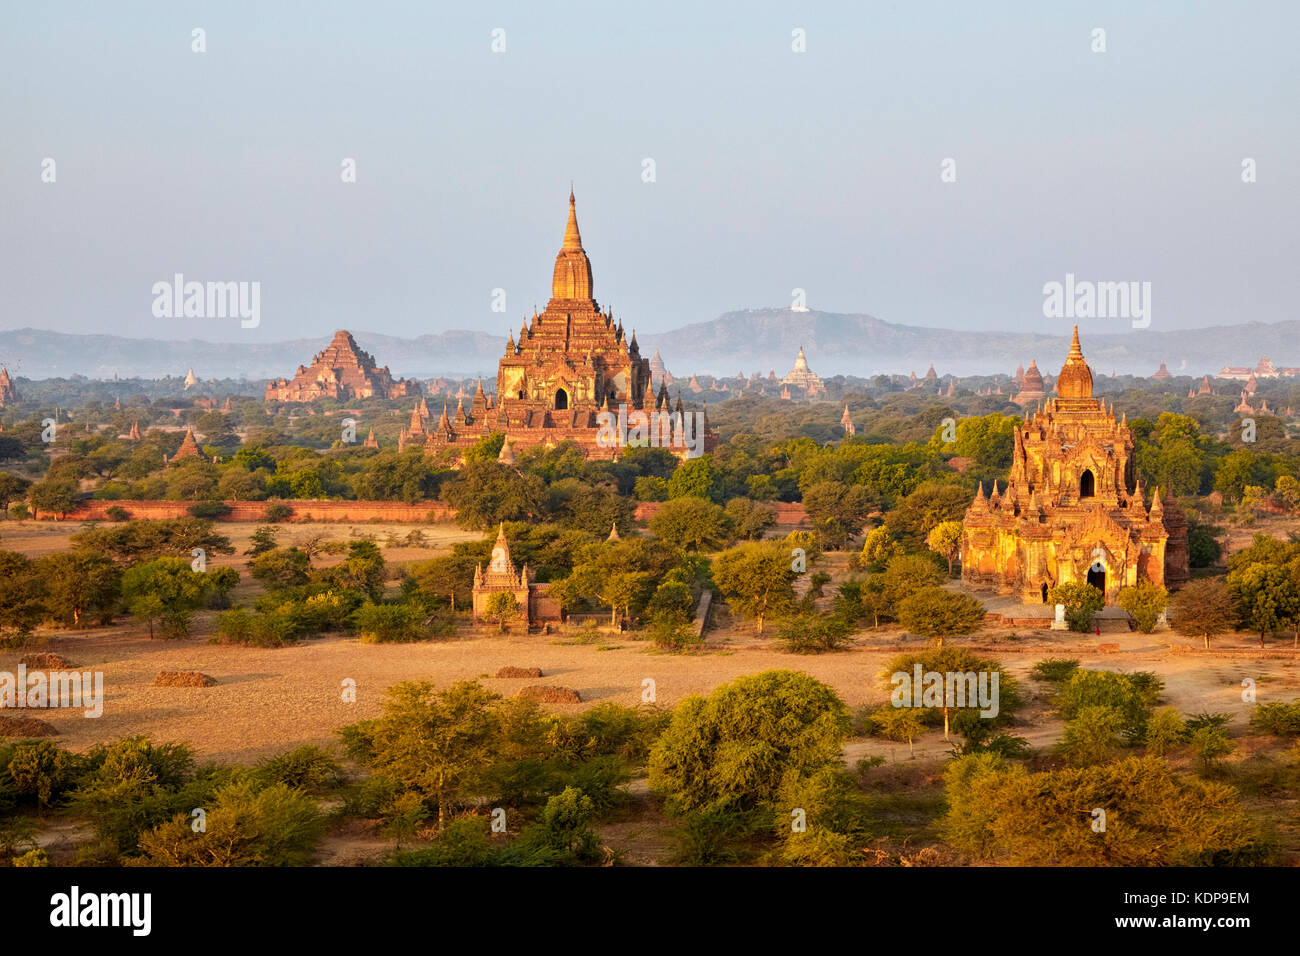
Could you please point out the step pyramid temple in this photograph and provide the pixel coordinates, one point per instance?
(571, 363)
(1073, 508)
(342, 370)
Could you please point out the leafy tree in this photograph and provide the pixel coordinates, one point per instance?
(698, 478)
(944, 539)
(691, 523)
(502, 608)
(165, 590)
(1000, 811)
(22, 599)
(1082, 602)
(1210, 744)
(750, 519)
(79, 583)
(435, 742)
(878, 548)
(900, 723)
(1205, 609)
(734, 749)
(946, 661)
(757, 579)
(1145, 601)
(12, 488)
(57, 496)
(1127, 694)
(281, 568)
(1165, 731)
(938, 613)
(837, 511)
(487, 493)
(1267, 596)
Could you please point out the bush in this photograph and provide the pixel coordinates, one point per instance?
(1082, 602)
(1054, 670)
(1281, 720)
(117, 513)
(277, 512)
(307, 768)
(246, 826)
(390, 623)
(210, 509)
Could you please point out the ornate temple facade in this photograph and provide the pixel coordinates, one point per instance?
(342, 370)
(571, 363)
(1073, 508)
(535, 605)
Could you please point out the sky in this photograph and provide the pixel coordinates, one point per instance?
(774, 170)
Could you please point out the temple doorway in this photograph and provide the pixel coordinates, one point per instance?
(1087, 485)
(1097, 577)
(561, 399)
(1044, 592)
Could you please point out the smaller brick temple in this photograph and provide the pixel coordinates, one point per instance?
(502, 575)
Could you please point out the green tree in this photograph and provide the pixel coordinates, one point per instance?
(757, 579)
(734, 749)
(1145, 602)
(53, 496)
(436, 742)
(1091, 736)
(1000, 811)
(698, 478)
(837, 511)
(22, 599)
(167, 590)
(691, 523)
(938, 613)
(502, 608)
(80, 583)
(1082, 602)
(944, 539)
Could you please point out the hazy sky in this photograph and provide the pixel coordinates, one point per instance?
(774, 169)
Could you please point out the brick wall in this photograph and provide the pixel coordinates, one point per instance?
(95, 510)
(789, 514)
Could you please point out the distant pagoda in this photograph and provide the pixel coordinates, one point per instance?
(342, 370)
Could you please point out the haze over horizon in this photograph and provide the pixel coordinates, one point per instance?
(774, 170)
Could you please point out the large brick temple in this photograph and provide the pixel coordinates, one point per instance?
(571, 362)
(342, 370)
(1073, 508)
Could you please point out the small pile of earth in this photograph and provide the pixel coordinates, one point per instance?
(25, 727)
(520, 672)
(183, 679)
(551, 695)
(46, 662)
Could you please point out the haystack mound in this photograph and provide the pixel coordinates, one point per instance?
(551, 695)
(25, 727)
(46, 662)
(183, 679)
(520, 672)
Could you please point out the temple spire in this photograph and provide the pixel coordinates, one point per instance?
(572, 238)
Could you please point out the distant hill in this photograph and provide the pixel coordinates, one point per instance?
(863, 345)
(753, 340)
(32, 353)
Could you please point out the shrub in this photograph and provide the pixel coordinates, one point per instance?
(210, 509)
(307, 768)
(1279, 719)
(389, 623)
(1082, 601)
(117, 513)
(277, 512)
(1054, 670)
